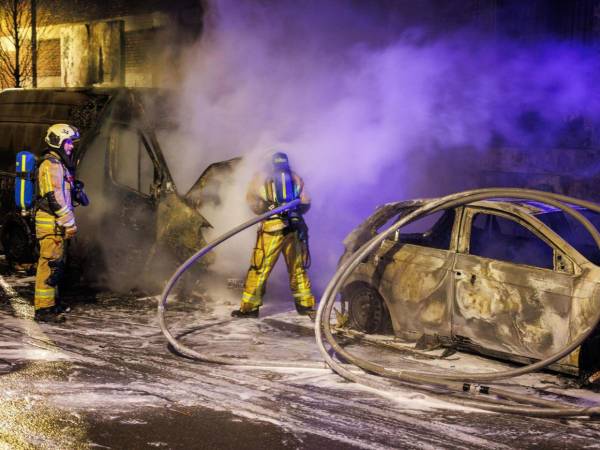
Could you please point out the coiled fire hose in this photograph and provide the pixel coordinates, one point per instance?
(450, 386)
(457, 381)
(191, 353)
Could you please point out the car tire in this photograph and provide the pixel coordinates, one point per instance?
(367, 311)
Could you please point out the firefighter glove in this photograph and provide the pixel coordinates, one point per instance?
(78, 195)
(70, 231)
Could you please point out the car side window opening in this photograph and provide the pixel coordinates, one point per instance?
(496, 237)
(132, 165)
(434, 231)
(572, 231)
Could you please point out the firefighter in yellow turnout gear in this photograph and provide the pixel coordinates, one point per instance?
(54, 218)
(283, 233)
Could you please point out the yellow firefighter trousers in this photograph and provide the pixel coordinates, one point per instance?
(269, 245)
(51, 248)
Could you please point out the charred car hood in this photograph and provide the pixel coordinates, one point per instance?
(206, 187)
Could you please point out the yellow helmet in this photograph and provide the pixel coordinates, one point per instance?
(59, 132)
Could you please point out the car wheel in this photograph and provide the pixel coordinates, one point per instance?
(366, 309)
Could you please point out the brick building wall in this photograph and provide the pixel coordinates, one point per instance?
(49, 58)
(73, 11)
(94, 42)
(139, 67)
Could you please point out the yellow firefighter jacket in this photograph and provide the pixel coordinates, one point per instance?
(54, 188)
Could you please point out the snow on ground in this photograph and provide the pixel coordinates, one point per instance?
(109, 369)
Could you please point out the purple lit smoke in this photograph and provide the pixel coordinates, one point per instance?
(368, 110)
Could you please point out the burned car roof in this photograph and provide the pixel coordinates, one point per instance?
(528, 207)
(385, 212)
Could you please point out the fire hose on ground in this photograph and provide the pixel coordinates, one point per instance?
(191, 353)
(454, 386)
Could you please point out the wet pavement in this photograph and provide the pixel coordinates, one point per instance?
(107, 379)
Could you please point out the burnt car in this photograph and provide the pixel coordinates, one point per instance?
(515, 280)
(137, 219)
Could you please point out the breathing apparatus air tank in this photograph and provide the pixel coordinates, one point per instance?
(25, 181)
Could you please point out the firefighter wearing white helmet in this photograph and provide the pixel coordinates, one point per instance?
(54, 218)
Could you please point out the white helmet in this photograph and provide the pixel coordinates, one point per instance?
(58, 133)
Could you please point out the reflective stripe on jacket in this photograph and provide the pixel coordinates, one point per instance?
(53, 179)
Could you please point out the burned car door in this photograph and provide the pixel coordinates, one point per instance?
(131, 191)
(509, 296)
(416, 279)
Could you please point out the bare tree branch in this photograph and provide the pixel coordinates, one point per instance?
(16, 57)
(7, 63)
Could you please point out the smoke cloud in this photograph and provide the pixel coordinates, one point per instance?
(368, 108)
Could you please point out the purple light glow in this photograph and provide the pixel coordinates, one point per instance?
(367, 112)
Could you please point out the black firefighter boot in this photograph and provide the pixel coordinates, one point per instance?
(49, 315)
(239, 314)
(306, 311)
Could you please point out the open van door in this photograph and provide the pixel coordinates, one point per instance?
(130, 229)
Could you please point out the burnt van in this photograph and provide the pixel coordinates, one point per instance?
(137, 223)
